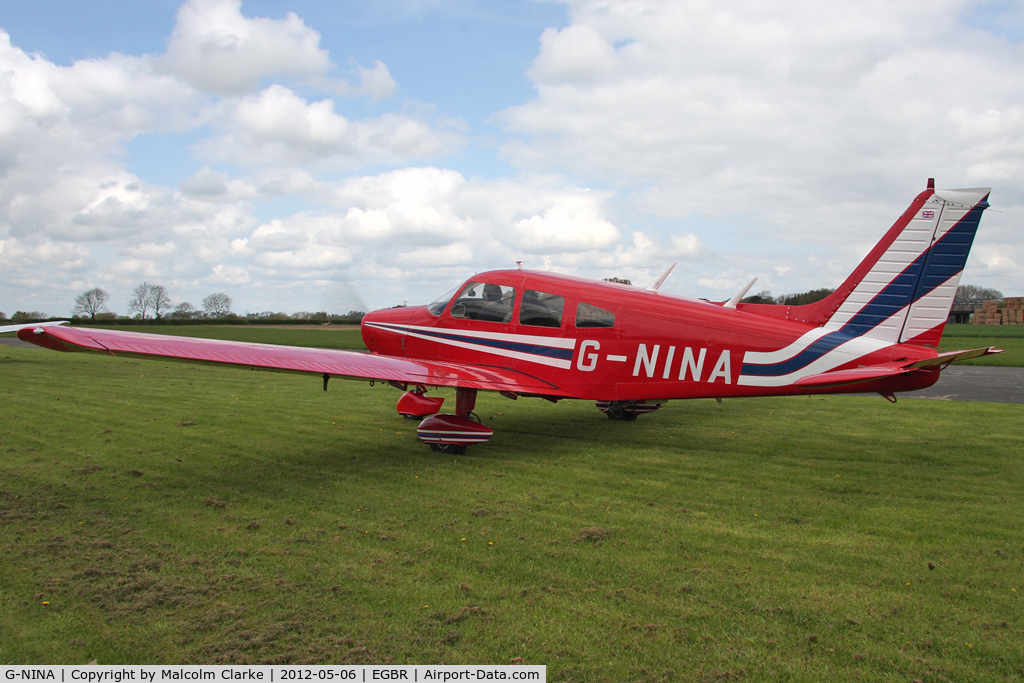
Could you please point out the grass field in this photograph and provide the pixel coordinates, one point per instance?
(154, 513)
(323, 337)
(1010, 338)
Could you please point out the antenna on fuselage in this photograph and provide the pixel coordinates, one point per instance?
(664, 276)
(731, 303)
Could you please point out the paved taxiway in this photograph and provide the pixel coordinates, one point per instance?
(971, 383)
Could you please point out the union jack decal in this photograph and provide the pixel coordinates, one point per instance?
(927, 214)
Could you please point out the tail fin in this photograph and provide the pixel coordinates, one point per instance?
(903, 289)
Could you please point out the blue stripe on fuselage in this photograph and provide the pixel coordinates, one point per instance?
(535, 349)
(802, 359)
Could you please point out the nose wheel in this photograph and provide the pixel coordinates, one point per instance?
(448, 448)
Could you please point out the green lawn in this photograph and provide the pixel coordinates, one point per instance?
(1010, 338)
(325, 337)
(177, 513)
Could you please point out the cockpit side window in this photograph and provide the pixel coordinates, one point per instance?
(541, 309)
(484, 301)
(588, 315)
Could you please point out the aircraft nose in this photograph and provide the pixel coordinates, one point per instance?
(384, 330)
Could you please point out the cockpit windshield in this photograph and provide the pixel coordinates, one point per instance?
(484, 301)
(436, 306)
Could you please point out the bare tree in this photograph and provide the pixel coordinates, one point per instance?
(973, 294)
(90, 303)
(762, 297)
(185, 310)
(141, 300)
(217, 305)
(159, 299)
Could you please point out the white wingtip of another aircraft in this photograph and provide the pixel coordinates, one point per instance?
(15, 328)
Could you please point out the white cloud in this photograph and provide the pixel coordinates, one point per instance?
(711, 109)
(374, 82)
(215, 49)
(685, 246)
(572, 224)
(277, 127)
(417, 206)
(68, 204)
(229, 275)
(577, 54)
(205, 183)
(781, 141)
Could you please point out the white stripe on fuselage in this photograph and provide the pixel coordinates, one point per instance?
(841, 355)
(772, 357)
(431, 334)
(847, 352)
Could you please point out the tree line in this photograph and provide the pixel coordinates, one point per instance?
(965, 294)
(150, 301)
(153, 302)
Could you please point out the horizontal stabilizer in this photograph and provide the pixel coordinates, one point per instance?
(886, 370)
(954, 356)
(854, 375)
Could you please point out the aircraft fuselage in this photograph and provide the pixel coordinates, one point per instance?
(649, 346)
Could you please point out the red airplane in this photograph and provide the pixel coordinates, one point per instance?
(534, 334)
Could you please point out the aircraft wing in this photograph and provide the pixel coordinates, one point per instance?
(333, 362)
(885, 370)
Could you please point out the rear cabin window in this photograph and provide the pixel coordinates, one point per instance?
(588, 315)
(541, 309)
(484, 301)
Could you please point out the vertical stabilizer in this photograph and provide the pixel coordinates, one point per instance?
(904, 289)
(944, 263)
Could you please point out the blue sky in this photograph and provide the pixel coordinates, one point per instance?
(307, 155)
(466, 59)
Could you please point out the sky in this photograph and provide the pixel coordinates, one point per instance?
(312, 156)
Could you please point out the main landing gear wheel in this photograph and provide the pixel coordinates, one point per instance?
(626, 411)
(453, 433)
(452, 448)
(621, 414)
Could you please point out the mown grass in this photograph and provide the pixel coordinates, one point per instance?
(1009, 338)
(325, 337)
(764, 539)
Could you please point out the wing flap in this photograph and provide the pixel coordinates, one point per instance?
(337, 363)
